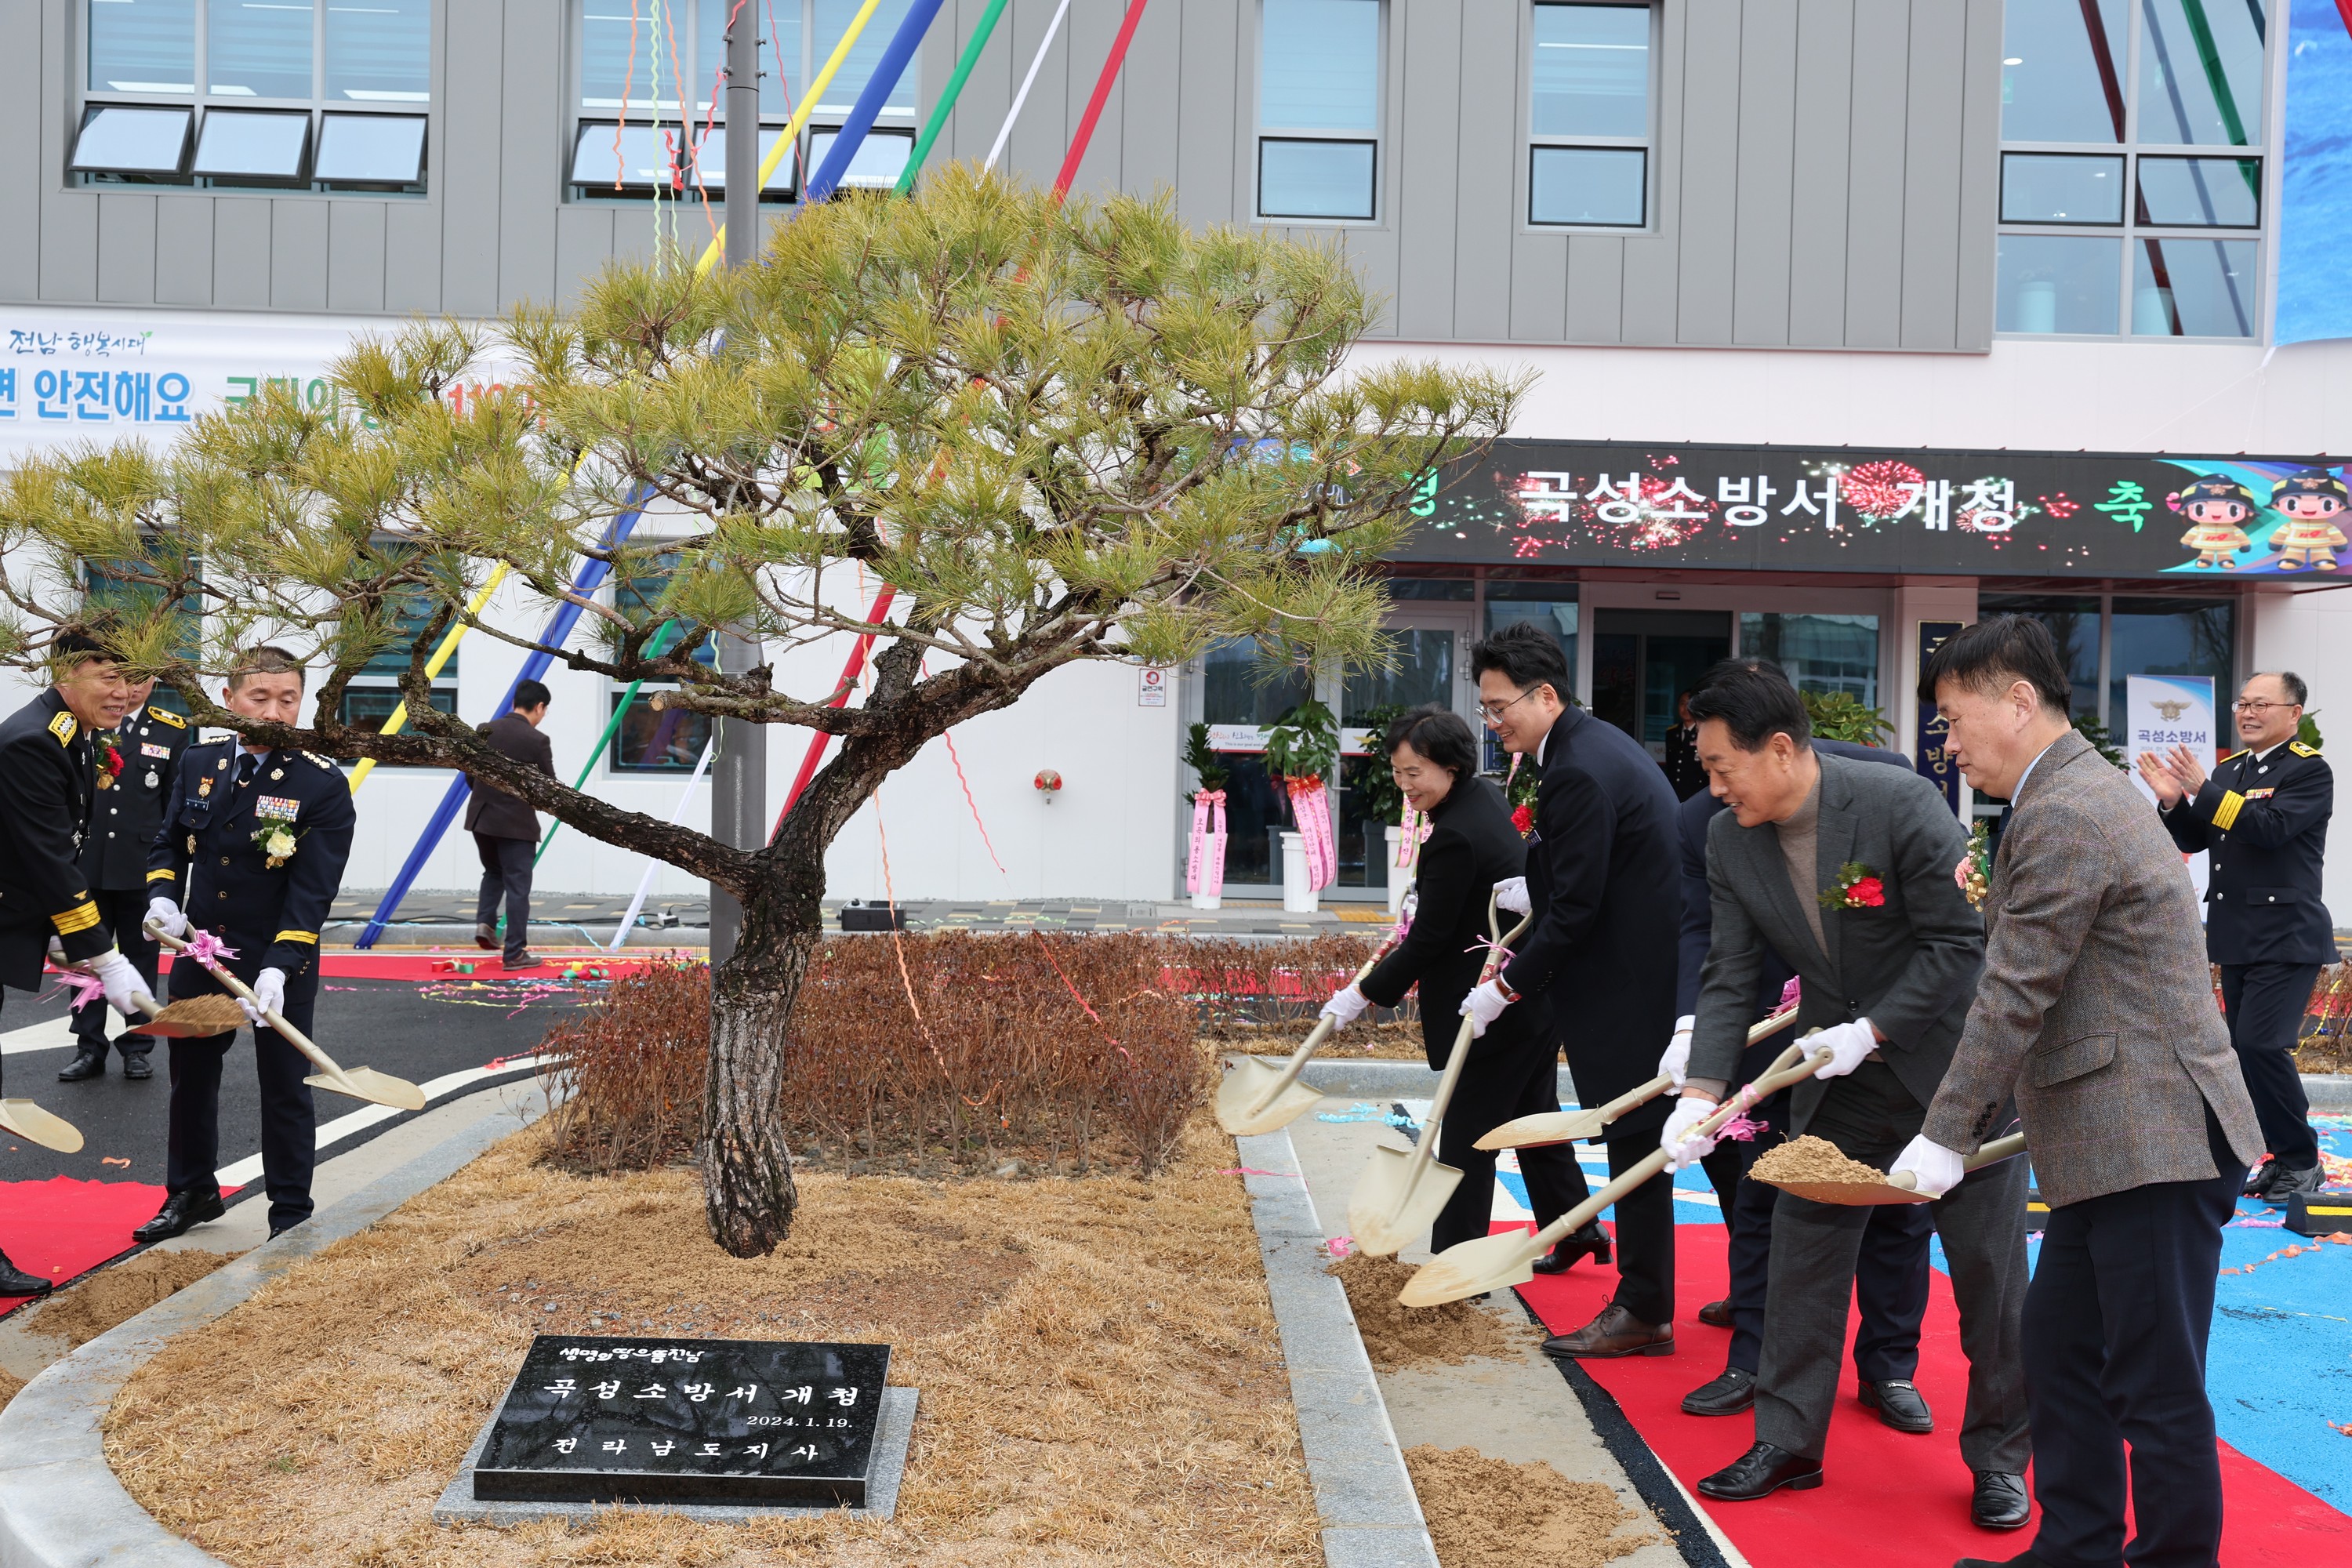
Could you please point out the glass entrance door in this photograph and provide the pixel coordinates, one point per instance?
(1643, 660)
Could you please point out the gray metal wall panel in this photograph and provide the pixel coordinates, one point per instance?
(1979, 179)
(1422, 130)
(1596, 289)
(297, 254)
(68, 219)
(1150, 104)
(980, 108)
(1768, 117)
(530, 129)
(1486, 158)
(1374, 253)
(1217, 119)
(411, 258)
(241, 252)
(1039, 136)
(1091, 29)
(1876, 199)
(470, 100)
(355, 256)
(1817, 203)
(583, 243)
(1538, 287)
(1649, 265)
(183, 249)
(25, 109)
(1931, 173)
(126, 248)
(1709, 159)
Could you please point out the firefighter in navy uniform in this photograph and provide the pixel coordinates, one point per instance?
(128, 810)
(2263, 816)
(47, 780)
(254, 841)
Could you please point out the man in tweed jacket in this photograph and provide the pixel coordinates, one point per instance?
(2096, 1012)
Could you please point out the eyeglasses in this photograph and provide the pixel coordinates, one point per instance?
(2242, 706)
(1493, 711)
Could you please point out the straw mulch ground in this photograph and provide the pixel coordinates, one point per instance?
(1101, 1380)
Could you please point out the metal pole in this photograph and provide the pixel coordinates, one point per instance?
(739, 778)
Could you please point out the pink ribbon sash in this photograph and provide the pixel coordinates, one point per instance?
(1204, 865)
(1308, 805)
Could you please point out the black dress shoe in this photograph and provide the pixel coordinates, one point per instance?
(1615, 1332)
(1732, 1392)
(2286, 1183)
(138, 1066)
(1900, 1405)
(87, 1063)
(181, 1212)
(2022, 1559)
(1591, 1242)
(15, 1281)
(1999, 1502)
(1759, 1472)
(1716, 1314)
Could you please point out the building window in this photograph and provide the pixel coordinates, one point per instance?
(2103, 643)
(1589, 95)
(652, 100)
(1318, 109)
(1827, 655)
(646, 740)
(2132, 143)
(231, 94)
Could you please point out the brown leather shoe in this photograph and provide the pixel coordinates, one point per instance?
(1716, 1314)
(1615, 1332)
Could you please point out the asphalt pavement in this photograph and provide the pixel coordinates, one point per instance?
(419, 1031)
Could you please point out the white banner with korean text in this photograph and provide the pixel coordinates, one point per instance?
(2161, 712)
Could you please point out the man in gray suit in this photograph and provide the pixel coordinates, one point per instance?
(1846, 870)
(2097, 1013)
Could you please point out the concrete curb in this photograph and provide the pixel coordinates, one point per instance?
(2328, 1091)
(1371, 1515)
(60, 1504)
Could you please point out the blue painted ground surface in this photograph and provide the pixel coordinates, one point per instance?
(2279, 1366)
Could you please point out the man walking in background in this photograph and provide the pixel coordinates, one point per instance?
(2264, 815)
(1846, 870)
(505, 831)
(2096, 1013)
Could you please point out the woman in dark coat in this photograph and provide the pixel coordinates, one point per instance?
(1512, 1069)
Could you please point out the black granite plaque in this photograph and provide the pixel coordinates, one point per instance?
(591, 1419)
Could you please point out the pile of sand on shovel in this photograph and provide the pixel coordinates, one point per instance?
(1811, 1159)
(216, 1014)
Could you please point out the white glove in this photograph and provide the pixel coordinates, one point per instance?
(1347, 1005)
(1676, 1063)
(1511, 893)
(269, 996)
(124, 990)
(1684, 1147)
(1847, 1044)
(167, 918)
(1935, 1170)
(1483, 1005)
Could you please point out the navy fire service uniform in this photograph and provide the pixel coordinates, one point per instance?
(211, 856)
(47, 783)
(125, 813)
(2265, 821)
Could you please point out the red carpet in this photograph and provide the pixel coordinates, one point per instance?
(1891, 1500)
(61, 1227)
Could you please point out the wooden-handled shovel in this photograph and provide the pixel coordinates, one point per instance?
(360, 1083)
(1496, 1262)
(1899, 1188)
(1401, 1192)
(22, 1119)
(1549, 1126)
(1257, 1097)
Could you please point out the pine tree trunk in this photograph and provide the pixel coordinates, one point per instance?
(747, 1170)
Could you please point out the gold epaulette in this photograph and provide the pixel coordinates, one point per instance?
(63, 727)
(166, 716)
(2300, 750)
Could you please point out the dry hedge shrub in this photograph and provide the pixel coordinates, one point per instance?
(946, 1049)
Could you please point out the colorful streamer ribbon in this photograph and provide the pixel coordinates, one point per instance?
(1204, 867)
(1309, 805)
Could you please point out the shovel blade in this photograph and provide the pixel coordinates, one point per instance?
(1544, 1129)
(1853, 1194)
(1473, 1268)
(1248, 1105)
(30, 1122)
(377, 1087)
(1395, 1201)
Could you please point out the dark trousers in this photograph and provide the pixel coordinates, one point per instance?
(1645, 1228)
(290, 1125)
(1890, 1275)
(124, 910)
(2116, 1323)
(506, 871)
(2264, 1004)
(1496, 1087)
(1871, 1116)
